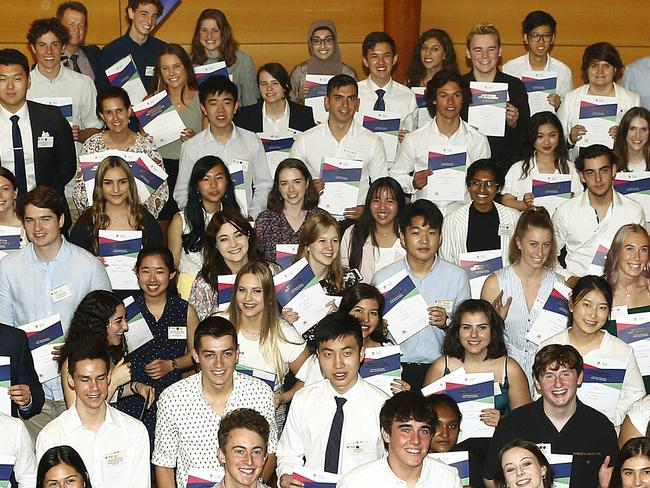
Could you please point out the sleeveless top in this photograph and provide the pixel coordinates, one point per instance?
(191, 262)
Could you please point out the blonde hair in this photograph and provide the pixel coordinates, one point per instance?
(313, 228)
(481, 30)
(610, 272)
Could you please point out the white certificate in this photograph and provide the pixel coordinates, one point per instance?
(635, 185)
(225, 289)
(238, 169)
(314, 478)
(561, 464)
(404, 307)
(550, 190)
(423, 112)
(277, 148)
(552, 317)
(139, 332)
(600, 256)
(602, 383)
(342, 178)
(456, 459)
(487, 112)
(6, 469)
(449, 166)
(634, 330)
(386, 126)
(9, 239)
(204, 72)
(159, 118)
(43, 336)
(63, 103)
(5, 383)
(478, 266)
(597, 116)
(539, 85)
(120, 249)
(381, 366)
(124, 74)
(298, 288)
(285, 254)
(202, 478)
(316, 97)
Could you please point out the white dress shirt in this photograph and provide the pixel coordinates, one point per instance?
(308, 424)
(116, 455)
(359, 143)
(279, 126)
(578, 227)
(639, 414)
(517, 186)
(518, 66)
(7, 143)
(378, 473)
(16, 442)
(398, 99)
(243, 145)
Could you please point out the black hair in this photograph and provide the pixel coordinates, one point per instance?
(440, 79)
(487, 164)
(602, 51)
(336, 326)
(61, 455)
(14, 56)
(417, 71)
(217, 85)
(215, 327)
(586, 284)
(405, 406)
(561, 151)
(421, 208)
(279, 72)
(536, 19)
(89, 348)
(340, 81)
(444, 400)
(594, 151)
(41, 27)
(167, 257)
(111, 92)
(374, 38)
(364, 291)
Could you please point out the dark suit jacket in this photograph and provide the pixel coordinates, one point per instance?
(13, 343)
(301, 117)
(93, 53)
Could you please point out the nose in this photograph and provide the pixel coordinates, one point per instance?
(415, 438)
(365, 316)
(473, 332)
(48, 49)
(115, 187)
(338, 361)
(125, 325)
(557, 381)
(442, 431)
(248, 458)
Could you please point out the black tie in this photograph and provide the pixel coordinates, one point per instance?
(19, 156)
(75, 65)
(334, 440)
(380, 105)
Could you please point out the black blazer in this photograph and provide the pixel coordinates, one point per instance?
(13, 343)
(94, 53)
(301, 117)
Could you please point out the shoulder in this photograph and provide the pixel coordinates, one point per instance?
(434, 470)
(593, 420)
(457, 216)
(11, 334)
(388, 271)
(243, 57)
(250, 385)
(264, 216)
(513, 63)
(82, 256)
(472, 132)
(623, 92)
(512, 81)
(180, 390)
(250, 110)
(507, 212)
(629, 203)
(372, 393)
(42, 109)
(403, 89)
(361, 475)
(616, 347)
(247, 135)
(310, 393)
(132, 425)
(451, 269)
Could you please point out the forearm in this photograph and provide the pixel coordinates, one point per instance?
(165, 477)
(269, 468)
(287, 396)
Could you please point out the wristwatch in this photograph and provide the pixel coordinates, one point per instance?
(174, 365)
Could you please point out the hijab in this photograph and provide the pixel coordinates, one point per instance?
(331, 65)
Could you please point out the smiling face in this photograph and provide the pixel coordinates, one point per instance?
(445, 436)
(598, 174)
(8, 195)
(63, 475)
(539, 40)
(117, 326)
(271, 90)
(408, 444)
(42, 227)
(326, 248)
(213, 185)
(250, 296)
(210, 37)
(421, 241)
(483, 188)
(143, 18)
(635, 472)
(292, 186)
(474, 332)
(384, 207)
(633, 258)
(342, 103)
(172, 71)
(558, 386)
(322, 44)
(220, 109)
(115, 115)
(535, 246)
(48, 50)
(590, 312)
(90, 382)
(432, 54)
(367, 312)
(115, 186)
(217, 358)
(75, 23)
(154, 276)
(449, 101)
(637, 134)
(380, 60)
(548, 138)
(244, 456)
(232, 244)
(522, 469)
(484, 53)
(14, 83)
(339, 361)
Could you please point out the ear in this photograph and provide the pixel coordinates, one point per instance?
(614, 169)
(326, 102)
(70, 380)
(365, 62)
(31, 46)
(500, 50)
(195, 356)
(581, 377)
(395, 59)
(130, 110)
(402, 241)
(172, 275)
(538, 386)
(130, 13)
(362, 354)
(203, 109)
(61, 221)
(221, 456)
(236, 106)
(385, 436)
(467, 55)
(582, 177)
(525, 39)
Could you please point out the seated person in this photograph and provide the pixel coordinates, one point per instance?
(407, 425)
(62, 465)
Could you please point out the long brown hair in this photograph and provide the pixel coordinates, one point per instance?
(275, 203)
(532, 217)
(229, 46)
(620, 146)
(313, 228)
(159, 85)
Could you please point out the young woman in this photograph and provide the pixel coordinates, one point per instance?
(114, 108)
(266, 341)
(229, 243)
(545, 152)
(102, 315)
(601, 67)
(514, 290)
(631, 146)
(210, 189)
(274, 114)
(373, 241)
(116, 206)
(171, 320)
(8, 195)
(174, 74)
(62, 466)
(445, 436)
(291, 202)
(589, 307)
(213, 41)
(521, 463)
(632, 468)
(475, 342)
(479, 225)
(324, 58)
(433, 53)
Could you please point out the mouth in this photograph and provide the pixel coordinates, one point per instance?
(246, 471)
(153, 287)
(559, 392)
(235, 252)
(414, 451)
(250, 305)
(328, 254)
(474, 343)
(220, 373)
(523, 482)
(424, 249)
(339, 376)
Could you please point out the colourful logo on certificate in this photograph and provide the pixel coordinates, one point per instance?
(608, 376)
(287, 290)
(480, 392)
(128, 73)
(403, 290)
(377, 366)
(557, 303)
(386, 126)
(543, 188)
(272, 145)
(590, 110)
(476, 269)
(496, 98)
(455, 161)
(316, 89)
(600, 256)
(148, 114)
(626, 187)
(335, 174)
(50, 335)
(546, 85)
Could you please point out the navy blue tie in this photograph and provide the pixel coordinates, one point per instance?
(334, 440)
(380, 105)
(19, 156)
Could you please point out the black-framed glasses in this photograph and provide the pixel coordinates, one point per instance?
(479, 183)
(536, 36)
(322, 41)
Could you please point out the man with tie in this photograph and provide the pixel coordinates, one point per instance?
(333, 424)
(36, 141)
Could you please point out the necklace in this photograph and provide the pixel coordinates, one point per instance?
(254, 334)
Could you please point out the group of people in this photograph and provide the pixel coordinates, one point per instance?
(187, 370)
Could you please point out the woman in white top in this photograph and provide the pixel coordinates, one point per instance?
(589, 306)
(8, 194)
(373, 242)
(601, 67)
(631, 147)
(210, 189)
(545, 152)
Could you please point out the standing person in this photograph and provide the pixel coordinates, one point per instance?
(324, 58)
(484, 51)
(539, 29)
(434, 53)
(138, 40)
(49, 276)
(631, 145)
(214, 41)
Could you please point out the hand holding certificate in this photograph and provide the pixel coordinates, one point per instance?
(551, 190)
(5, 383)
(449, 166)
(381, 367)
(120, 249)
(312, 478)
(552, 317)
(43, 336)
(341, 177)
(139, 332)
(634, 329)
(317, 86)
(159, 118)
(597, 116)
(386, 126)
(487, 113)
(225, 288)
(124, 74)
(404, 307)
(539, 85)
(478, 266)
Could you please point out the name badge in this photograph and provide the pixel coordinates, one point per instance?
(60, 293)
(177, 332)
(448, 305)
(243, 163)
(505, 230)
(149, 71)
(45, 140)
(350, 153)
(357, 447)
(115, 459)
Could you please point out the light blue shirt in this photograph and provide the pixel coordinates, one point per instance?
(26, 284)
(635, 78)
(444, 281)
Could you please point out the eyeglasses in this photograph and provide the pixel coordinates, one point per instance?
(322, 41)
(487, 183)
(535, 37)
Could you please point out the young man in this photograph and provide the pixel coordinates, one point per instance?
(446, 94)
(437, 280)
(47, 40)
(48, 276)
(379, 92)
(539, 35)
(113, 445)
(584, 222)
(80, 57)
(333, 424)
(341, 137)
(558, 418)
(407, 424)
(138, 41)
(190, 411)
(243, 439)
(484, 51)
(218, 97)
